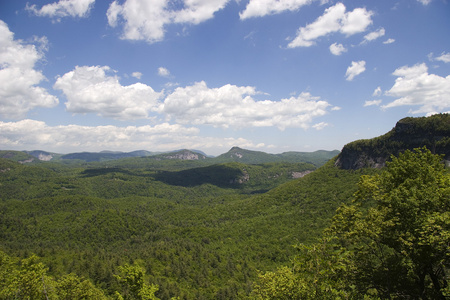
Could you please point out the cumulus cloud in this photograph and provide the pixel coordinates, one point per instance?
(30, 134)
(356, 68)
(90, 89)
(233, 106)
(320, 126)
(374, 35)
(19, 92)
(63, 8)
(444, 57)
(372, 102)
(389, 41)
(424, 2)
(334, 19)
(146, 19)
(136, 75)
(377, 92)
(261, 8)
(337, 49)
(96, 89)
(163, 72)
(414, 86)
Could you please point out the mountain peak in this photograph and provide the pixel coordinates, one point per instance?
(184, 154)
(409, 133)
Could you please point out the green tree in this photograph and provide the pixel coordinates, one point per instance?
(133, 282)
(318, 272)
(400, 246)
(30, 281)
(73, 287)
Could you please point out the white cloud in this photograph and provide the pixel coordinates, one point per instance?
(163, 72)
(95, 90)
(414, 86)
(63, 8)
(389, 41)
(372, 102)
(146, 19)
(92, 90)
(233, 106)
(261, 8)
(445, 57)
(197, 11)
(334, 19)
(320, 126)
(337, 49)
(136, 75)
(424, 2)
(19, 92)
(377, 92)
(355, 69)
(30, 135)
(374, 35)
(435, 113)
(356, 21)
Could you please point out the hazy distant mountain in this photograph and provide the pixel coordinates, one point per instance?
(43, 155)
(182, 155)
(317, 158)
(106, 155)
(237, 154)
(19, 156)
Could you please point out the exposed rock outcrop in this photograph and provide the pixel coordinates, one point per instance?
(432, 132)
(300, 174)
(184, 155)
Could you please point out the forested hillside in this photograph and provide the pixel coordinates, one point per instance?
(198, 232)
(391, 242)
(432, 132)
(140, 228)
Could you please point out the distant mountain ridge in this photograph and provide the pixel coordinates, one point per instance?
(432, 132)
(106, 155)
(408, 133)
(235, 154)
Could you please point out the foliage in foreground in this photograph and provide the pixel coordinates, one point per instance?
(392, 243)
(29, 279)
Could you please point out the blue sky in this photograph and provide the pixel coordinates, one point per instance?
(267, 75)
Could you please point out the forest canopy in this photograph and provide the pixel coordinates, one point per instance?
(392, 242)
(135, 230)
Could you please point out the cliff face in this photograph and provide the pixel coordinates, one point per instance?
(409, 133)
(184, 155)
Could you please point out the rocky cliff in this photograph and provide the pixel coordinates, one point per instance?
(432, 132)
(184, 155)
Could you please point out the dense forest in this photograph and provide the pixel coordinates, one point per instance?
(145, 228)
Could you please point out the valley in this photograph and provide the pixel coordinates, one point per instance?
(202, 228)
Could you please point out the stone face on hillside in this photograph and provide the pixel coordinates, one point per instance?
(300, 174)
(185, 155)
(44, 157)
(432, 132)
